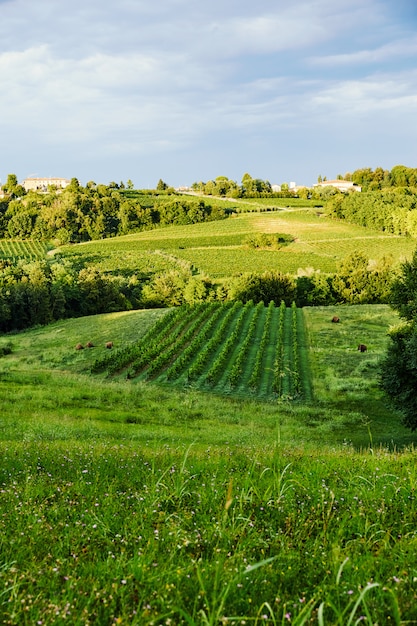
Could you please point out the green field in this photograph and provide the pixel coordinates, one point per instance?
(219, 249)
(346, 399)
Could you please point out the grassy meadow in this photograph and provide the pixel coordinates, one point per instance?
(133, 496)
(144, 503)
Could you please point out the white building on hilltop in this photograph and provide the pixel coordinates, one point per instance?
(341, 185)
(42, 184)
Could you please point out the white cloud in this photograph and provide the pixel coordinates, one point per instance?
(403, 48)
(396, 94)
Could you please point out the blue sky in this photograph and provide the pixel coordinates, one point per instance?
(187, 90)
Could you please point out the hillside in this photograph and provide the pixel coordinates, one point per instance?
(221, 249)
(132, 495)
(342, 379)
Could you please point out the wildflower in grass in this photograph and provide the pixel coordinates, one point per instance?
(288, 616)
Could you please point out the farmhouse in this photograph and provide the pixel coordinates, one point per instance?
(341, 185)
(42, 184)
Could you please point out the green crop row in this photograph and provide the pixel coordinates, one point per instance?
(176, 340)
(115, 360)
(180, 364)
(279, 359)
(256, 372)
(296, 380)
(227, 346)
(198, 365)
(14, 249)
(232, 346)
(237, 368)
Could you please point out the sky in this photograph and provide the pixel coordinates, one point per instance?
(188, 90)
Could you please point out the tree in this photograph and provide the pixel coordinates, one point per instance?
(356, 282)
(399, 372)
(12, 187)
(398, 377)
(166, 289)
(404, 290)
(161, 186)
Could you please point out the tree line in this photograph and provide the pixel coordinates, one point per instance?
(373, 180)
(42, 291)
(388, 210)
(399, 176)
(78, 213)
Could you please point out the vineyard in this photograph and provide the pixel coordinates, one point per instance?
(219, 249)
(15, 249)
(235, 348)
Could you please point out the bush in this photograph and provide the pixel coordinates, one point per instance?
(263, 288)
(5, 349)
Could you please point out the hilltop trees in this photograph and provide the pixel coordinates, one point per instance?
(78, 213)
(399, 368)
(223, 186)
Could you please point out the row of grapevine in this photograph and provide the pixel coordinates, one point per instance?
(296, 379)
(175, 343)
(279, 359)
(224, 355)
(117, 359)
(237, 369)
(15, 249)
(256, 372)
(204, 355)
(183, 360)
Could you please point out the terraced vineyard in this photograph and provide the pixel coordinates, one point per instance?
(234, 348)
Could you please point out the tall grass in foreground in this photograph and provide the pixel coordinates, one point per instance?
(104, 533)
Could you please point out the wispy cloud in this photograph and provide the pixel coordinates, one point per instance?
(404, 48)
